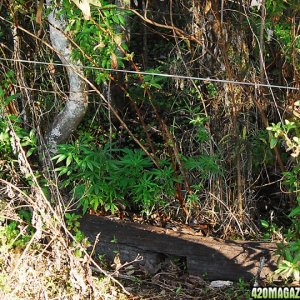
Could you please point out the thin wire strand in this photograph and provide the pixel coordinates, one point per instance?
(205, 79)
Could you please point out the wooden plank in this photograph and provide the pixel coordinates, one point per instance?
(212, 257)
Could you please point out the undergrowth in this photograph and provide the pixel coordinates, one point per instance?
(104, 176)
(39, 256)
(38, 261)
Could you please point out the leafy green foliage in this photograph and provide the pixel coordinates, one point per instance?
(98, 42)
(240, 291)
(290, 250)
(103, 180)
(278, 30)
(27, 138)
(204, 164)
(199, 122)
(13, 234)
(102, 177)
(30, 142)
(72, 222)
(261, 153)
(288, 132)
(270, 229)
(211, 90)
(5, 147)
(150, 81)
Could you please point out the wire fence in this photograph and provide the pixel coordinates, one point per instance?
(165, 75)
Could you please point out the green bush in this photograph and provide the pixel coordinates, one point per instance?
(105, 176)
(289, 249)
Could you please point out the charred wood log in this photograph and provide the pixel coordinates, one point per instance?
(212, 257)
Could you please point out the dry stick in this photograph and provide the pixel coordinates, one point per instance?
(137, 259)
(234, 112)
(34, 178)
(145, 40)
(262, 79)
(266, 124)
(182, 170)
(262, 41)
(141, 119)
(11, 107)
(231, 213)
(169, 137)
(178, 31)
(153, 158)
(20, 76)
(264, 69)
(62, 224)
(21, 79)
(295, 32)
(188, 73)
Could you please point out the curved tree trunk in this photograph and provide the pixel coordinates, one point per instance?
(71, 115)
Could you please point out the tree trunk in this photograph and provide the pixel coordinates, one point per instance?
(73, 112)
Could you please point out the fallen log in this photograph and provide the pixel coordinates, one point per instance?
(205, 256)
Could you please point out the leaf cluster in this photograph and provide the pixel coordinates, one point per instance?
(97, 39)
(107, 177)
(290, 250)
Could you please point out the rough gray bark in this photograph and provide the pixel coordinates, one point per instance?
(73, 112)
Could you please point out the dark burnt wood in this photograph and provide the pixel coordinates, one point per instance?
(212, 257)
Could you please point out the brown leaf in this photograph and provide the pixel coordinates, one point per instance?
(51, 68)
(114, 61)
(207, 7)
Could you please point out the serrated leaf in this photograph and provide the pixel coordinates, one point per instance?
(69, 160)
(62, 172)
(122, 20)
(59, 157)
(90, 165)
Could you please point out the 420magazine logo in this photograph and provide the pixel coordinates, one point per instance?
(275, 293)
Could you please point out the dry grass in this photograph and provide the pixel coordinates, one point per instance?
(40, 258)
(46, 262)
